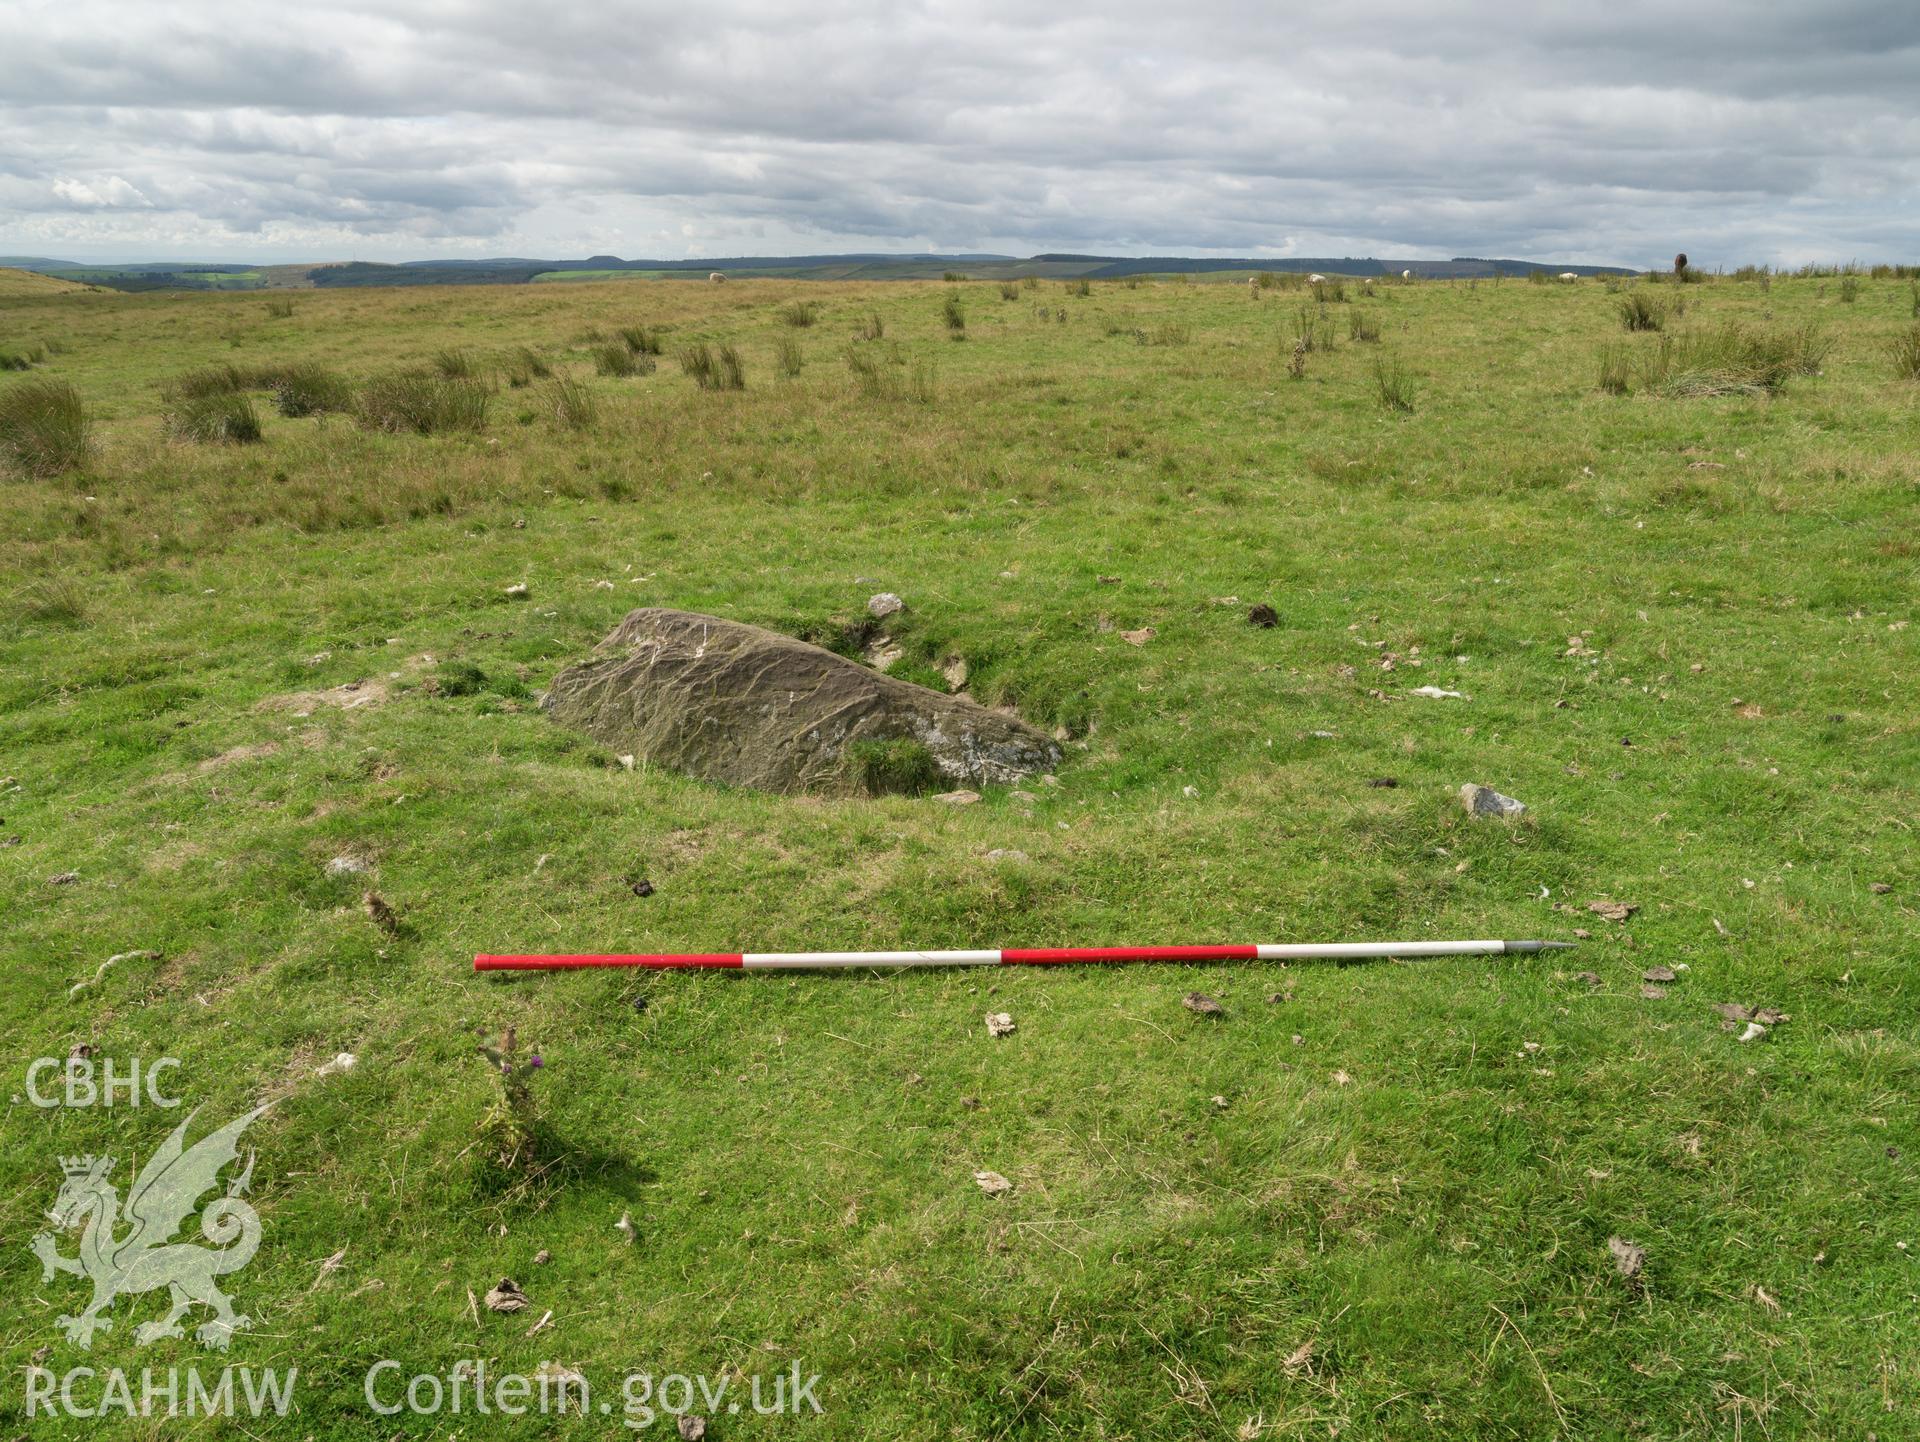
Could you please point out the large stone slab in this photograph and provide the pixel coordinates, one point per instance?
(730, 702)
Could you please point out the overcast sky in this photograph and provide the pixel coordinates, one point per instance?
(331, 129)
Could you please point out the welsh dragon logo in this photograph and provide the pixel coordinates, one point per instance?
(136, 1252)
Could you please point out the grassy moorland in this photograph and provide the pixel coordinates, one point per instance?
(1378, 1206)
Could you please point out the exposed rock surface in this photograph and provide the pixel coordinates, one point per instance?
(730, 702)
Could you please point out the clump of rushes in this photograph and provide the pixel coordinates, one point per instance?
(786, 354)
(954, 314)
(1392, 384)
(616, 359)
(1906, 354)
(280, 307)
(640, 340)
(214, 380)
(228, 418)
(421, 403)
(512, 1122)
(1734, 360)
(714, 368)
(307, 389)
(525, 366)
(1362, 327)
(456, 364)
(1079, 287)
(1640, 311)
(1009, 290)
(23, 357)
(1615, 367)
(799, 313)
(571, 403)
(43, 428)
(873, 329)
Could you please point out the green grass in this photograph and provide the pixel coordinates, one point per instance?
(1731, 745)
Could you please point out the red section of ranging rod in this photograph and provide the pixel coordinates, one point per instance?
(1014, 955)
(668, 961)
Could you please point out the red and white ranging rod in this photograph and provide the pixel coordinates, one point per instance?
(1009, 956)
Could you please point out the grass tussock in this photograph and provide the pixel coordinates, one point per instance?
(44, 428)
(1616, 369)
(1393, 384)
(872, 328)
(213, 380)
(953, 314)
(1640, 311)
(640, 339)
(422, 403)
(1733, 360)
(1079, 287)
(1362, 328)
(1906, 354)
(1009, 290)
(900, 767)
(878, 380)
(619, 360)
(798, 313)
(714, 368)
(571, 403)
(457, 364)
(280, 307)
(306, 388)
(525, 366)
(787, 358)
(22, 357)
(223, 418)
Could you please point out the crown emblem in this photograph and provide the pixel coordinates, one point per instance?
(83, 1166)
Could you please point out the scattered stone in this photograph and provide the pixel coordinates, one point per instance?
(1000, 1023)
(1299, 1040)
(1580, 933)
(1263, 616)
(1278, 998)
(1659, 973)
(1003, 853)
(1753, 1032)
(518, 591)
(1340, 1078)
(1220, 1104)
(1652, 993)
(345, 1061)
(1434, 693)
(1384, 783)
(507, 1297)
(1591, 978)
(1485, 801)
(992, 1183)
(1138, 638)
(958, 798)
(1612, 910)
(1201, 1004)
(1629, 1259)
(348, 866)
(542, 1257)
(63, 878)
(625, 1226)
(1192, 793)
(691, 1428)
(972, 1104)
(1880, 888)
(954, 670)
(884, 605)
(13, 841)
(729, 702)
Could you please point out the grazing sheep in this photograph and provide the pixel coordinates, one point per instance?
(1568, 275)
(1406, 275)
(1316, 280)
(716, 278)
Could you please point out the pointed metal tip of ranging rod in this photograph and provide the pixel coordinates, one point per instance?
(1540, 945)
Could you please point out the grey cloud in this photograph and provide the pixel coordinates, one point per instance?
(1613, 132)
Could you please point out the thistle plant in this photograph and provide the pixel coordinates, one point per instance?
(513, 1119)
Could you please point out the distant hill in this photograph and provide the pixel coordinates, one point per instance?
(19, 281)
(857, 265)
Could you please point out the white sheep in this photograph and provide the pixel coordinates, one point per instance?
(714, 277)
(1316, 280)
(1567, 275)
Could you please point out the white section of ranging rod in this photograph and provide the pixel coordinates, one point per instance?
(821, 960)
(1293, 951)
